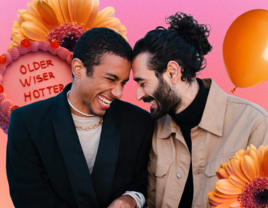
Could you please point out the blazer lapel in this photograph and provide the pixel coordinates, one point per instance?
(72, 152)
(105, 163)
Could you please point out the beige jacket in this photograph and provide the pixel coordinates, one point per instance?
(228, 124)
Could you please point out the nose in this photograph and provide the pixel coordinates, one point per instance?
(140, 93)
(117, 91)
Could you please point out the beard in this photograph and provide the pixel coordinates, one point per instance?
(167, 100)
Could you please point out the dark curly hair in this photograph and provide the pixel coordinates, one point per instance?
(94, 43)
(185, 41)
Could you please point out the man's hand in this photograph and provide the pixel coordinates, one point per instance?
(124, 201)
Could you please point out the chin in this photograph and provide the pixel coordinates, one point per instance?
(95, 110)
(99, 112)
(156, 114)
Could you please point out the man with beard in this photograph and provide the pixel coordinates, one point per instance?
(84, 147)
(198, 125)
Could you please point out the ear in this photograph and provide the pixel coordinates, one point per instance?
(77, 68)
(173, 72)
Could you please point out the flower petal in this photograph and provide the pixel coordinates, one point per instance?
(211, 193)
(237, 181)
(230, 170)
(32, 8)
(241, 152)
(27, 16)
(22, 10)
(16, 30)
(47, 13)
(65, 10)
(111, 22)
(18, 36)
(123, 30)
(223, 173)
(93, 15)
(103, 14)
(236, 166)
(16, 24)
(252, 147)
(226, 187)
(81, 10)
(225, 205)
(12, 45)
(33, 31)
(219, 176)
(265, 164)
(224, 165)
(71, 9)
(235, 204)
(56, 7)
(249, 167)
(222, 195)
(20, 18)
(218, 200)
(255, 156)
(261, 152)
(238, 157)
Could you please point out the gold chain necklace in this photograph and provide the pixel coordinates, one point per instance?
(89, 127)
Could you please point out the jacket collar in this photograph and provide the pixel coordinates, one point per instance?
(89, 190)
(213, 116)
(72, 152)
(106, 159)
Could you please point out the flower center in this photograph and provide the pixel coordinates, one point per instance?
(255, 194)
(67, 34)
(261, 198)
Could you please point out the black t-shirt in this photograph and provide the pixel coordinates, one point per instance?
(186, 120)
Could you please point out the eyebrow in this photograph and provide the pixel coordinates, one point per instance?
(138, 79)
(115, 77)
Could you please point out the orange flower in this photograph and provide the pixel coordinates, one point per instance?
(62, 20)
(243, 180)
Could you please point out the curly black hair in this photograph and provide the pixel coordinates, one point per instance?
(94, 43)
(185, 41)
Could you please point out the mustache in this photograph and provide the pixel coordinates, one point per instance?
(147, 99)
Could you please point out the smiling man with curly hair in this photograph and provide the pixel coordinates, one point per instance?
(198, 126)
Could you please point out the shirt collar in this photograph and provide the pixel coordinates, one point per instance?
(191, 116)
(213, 116)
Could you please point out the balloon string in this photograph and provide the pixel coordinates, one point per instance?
(233, 90)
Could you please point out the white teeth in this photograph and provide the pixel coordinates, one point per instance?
(104, 101)
(152, 102)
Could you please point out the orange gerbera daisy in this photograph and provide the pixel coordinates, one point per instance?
(62, 20)
(243, 180)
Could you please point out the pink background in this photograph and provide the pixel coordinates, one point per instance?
(140, 16)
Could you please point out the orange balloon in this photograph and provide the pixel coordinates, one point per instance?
(245, 49)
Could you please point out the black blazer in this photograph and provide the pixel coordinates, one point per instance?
(46, 167)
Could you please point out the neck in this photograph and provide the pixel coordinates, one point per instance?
(77, 102)
(188, 95)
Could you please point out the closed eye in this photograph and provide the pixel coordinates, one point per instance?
(142, 84)
(110, 79)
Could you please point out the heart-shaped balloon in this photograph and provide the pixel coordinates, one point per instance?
(245, 49)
